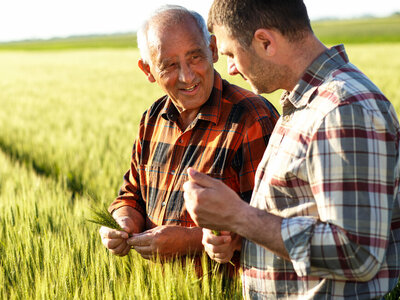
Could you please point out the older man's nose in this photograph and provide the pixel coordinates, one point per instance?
(186, 73)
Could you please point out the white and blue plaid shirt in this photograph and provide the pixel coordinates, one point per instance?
(331, 170)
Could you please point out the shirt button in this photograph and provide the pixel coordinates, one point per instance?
(172, 172)
(163, 204)
(181, 141)
(286, 118)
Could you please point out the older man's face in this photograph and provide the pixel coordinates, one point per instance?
(182, 64)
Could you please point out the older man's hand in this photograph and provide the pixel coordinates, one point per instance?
(167, 241)
(115, 241)
(131, 221)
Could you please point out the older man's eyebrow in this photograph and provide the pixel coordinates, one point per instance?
(165, 62)
(195, 51)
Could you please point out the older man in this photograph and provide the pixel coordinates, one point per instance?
(324, 218)
(202, 122)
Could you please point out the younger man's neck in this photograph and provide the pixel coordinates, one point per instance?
(304, 53)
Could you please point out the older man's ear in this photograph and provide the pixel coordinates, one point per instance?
(146, 70)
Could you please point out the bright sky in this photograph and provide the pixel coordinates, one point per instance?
(25, 19)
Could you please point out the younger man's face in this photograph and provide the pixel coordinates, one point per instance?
(262, 74)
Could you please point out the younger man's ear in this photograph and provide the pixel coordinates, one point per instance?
(146, 70)
(265, 40)
(213, 48)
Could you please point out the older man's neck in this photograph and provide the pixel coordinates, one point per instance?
(187, 117)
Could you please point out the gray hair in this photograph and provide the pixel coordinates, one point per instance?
(142, 32)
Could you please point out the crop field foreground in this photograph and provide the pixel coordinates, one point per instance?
(68, 120)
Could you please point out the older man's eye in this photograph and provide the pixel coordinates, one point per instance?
(195, 58)
(168, 67)
(171, 66)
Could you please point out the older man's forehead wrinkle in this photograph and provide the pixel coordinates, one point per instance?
(195, 51)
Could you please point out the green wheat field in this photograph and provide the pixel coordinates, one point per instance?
(68, 117)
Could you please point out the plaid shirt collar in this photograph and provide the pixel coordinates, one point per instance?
(313, 77)
(210, 111)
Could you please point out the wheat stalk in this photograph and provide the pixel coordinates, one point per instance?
(104, 218)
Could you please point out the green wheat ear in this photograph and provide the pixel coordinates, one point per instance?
(104, 218)
(217, 233)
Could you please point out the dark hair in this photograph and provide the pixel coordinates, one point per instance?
(243, 17)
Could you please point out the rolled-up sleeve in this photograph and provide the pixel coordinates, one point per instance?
(130, 193)
(351, 168)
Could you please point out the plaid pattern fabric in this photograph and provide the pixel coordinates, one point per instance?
(226, 140)
(331, 170)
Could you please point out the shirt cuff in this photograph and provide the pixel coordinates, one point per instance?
(296, 234)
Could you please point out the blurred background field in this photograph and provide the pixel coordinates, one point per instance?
(69, 112)
(353, 31)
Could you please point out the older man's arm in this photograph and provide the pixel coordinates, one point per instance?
(128, 209)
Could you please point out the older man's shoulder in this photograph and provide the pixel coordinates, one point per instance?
(157, 107)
